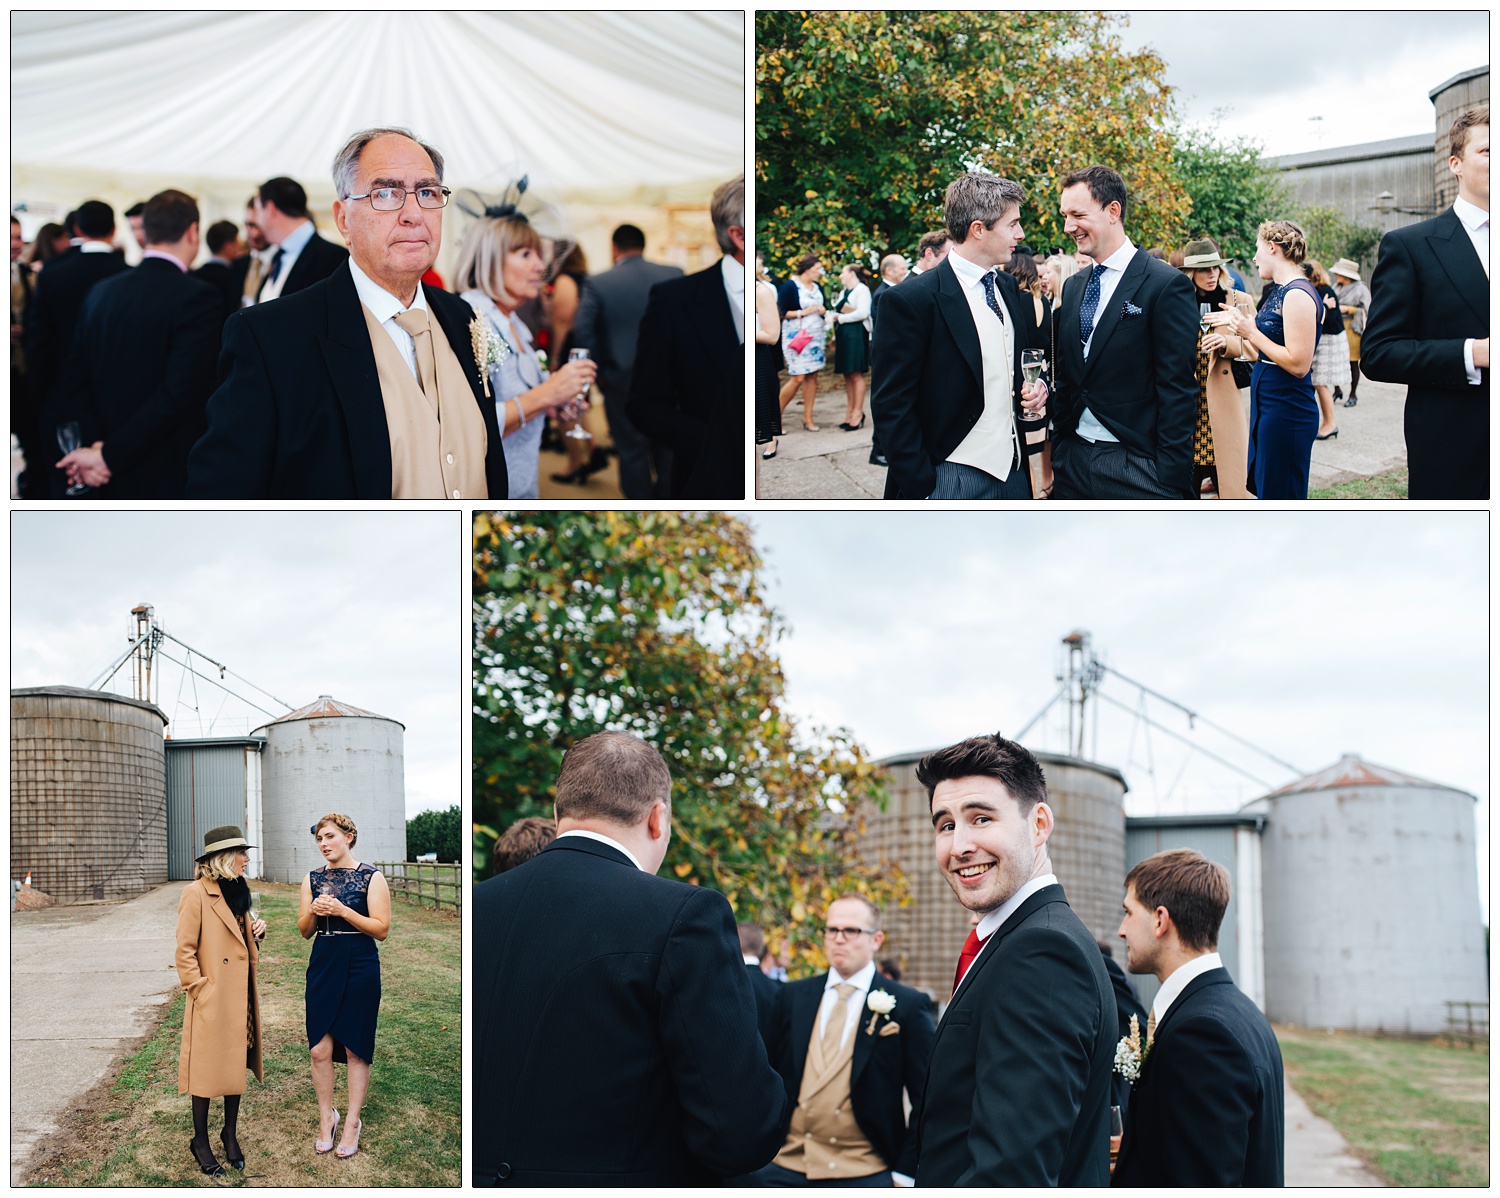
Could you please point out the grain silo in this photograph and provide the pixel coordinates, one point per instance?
(87, 793)
(331, 756)
(1371, 901)
(1087, 849)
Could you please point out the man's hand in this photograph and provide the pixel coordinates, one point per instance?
(1034, 399)
(86, 466)
(1482, 353)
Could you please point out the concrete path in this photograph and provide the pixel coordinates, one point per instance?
(87, 983)
(833, 464)
(1316, 1155)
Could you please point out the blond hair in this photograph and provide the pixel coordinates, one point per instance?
(219, 866)
(342, 822)
(1287, 236)
(486, 245)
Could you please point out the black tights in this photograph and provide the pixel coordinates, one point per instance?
(231, 1124)
(1353, 378)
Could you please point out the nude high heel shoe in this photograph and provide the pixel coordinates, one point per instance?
(327, 1145)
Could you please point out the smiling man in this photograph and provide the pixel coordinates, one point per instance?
(1018, 1090)
(363, 385)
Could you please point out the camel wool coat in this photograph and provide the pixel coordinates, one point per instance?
(217, 969)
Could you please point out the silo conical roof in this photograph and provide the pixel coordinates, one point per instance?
(1353, 770)
(326, 707)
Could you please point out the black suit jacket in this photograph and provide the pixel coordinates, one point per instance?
(1428, 295)
(316, 262)
(1208, 1108)
(882, 1068)
(1018, 1090)
(929, 374)
(1139, 380)
(615, 1039)
(61, 288)
(687, 344)
(298, 412)
(1127, 1003)
(767, 993)
(222, 278)
(140, 374)
(880, 289)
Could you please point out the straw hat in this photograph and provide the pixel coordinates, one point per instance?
(1350, 270)
(221, 840)
(1200, 255)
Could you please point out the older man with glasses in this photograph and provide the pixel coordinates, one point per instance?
(847, 1043)
(368, 384)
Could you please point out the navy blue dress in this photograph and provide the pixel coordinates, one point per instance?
(343, 973)
(1283, 410)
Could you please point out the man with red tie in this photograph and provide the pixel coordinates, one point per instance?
(1018, 1091)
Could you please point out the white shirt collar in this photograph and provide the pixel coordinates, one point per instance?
(1120, 259)
(1472, 215)
(969, 273)
(381, 302)
(96, 247)
(991, 923)
(749, 960)
(292, 243)
(1178, 980)
(860, 981)
(601, 838)
(734, 277)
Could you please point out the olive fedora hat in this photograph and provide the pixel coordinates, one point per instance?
(223, 840)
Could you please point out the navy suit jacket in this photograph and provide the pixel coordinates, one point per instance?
(1209, 1106)
(318, 260)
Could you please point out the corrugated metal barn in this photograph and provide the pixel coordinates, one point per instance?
(212, 782)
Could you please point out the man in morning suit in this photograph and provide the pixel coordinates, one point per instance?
(615, 1038)
(766, 990)
(363, 385)
(846, 1063)
(1018, 1090)
(225, 248)
(1429, 326)
(608, 325)
(687, 386)
(1207, 1108)
(142, 364)
(1125, 399)
(1127, 1004)
(301, 258)
(948, 394)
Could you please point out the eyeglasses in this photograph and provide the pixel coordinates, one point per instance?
(393, 199)
(847, 933)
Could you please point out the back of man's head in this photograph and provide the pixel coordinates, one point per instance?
(220, 234)
(1193, 889)
(752, 940)
(168, 216)
(614, 777)
(628, 239)
(287, 194)
(1010, 764)
(94, 219)
(522, 841)
(932, 242)
(892, 264)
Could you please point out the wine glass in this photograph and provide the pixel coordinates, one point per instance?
(1203, 312)
(254, 912)
(1116, 1131)
(69, 438)
(576, 412)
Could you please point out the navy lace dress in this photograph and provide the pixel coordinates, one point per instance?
(1283, 411)
(343, 974)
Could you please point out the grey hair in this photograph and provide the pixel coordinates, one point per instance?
(728, 208)
(346, 161)
(979, 196)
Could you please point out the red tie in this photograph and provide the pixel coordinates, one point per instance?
(966, 958)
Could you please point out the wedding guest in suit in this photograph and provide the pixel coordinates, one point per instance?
(301, 257)
(608, 325)
(893, 270)
(1207, 1108)
(344, 390)
(851, 350)
(224, 247)
(135, 217)
(948, 394)
(932, 248)
(615, 1033)
(522, 841)
(1284, 333)
(1127, 1004)
(804, 334)
(142, 365)
(1018, 1090)
(687, 389)
(1429, 326)
(1354, 303)
(249, 269)
(849, 1044)
(766, 990)
(1125, 398)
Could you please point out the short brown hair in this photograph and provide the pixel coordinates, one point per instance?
(168, 216)
(981, 196)
(1104, 184)
(987, 757)
(522, 841)
(875, 916)
(1287, 236)
(805, 263)
(752, 939)
(1469, 118)
(1193, 889)
(612, 776)
(342, 822)
(933, 241)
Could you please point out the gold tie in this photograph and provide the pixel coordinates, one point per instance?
(414, 321)
(833, 1030)
(252, 278)
(1151, 1026)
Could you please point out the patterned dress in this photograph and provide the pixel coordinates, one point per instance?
(343, 973)
(811, 358)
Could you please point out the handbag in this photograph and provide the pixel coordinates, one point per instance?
(800, 341)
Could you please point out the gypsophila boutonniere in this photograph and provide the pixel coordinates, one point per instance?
(489, 348)
(1130, 1053)
(881, 1003)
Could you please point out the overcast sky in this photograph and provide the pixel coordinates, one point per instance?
(368, 608)
(1310, 634)
(1366, 73)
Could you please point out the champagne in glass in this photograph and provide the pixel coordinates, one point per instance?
(1033, 362)
(1116, 1132)
(1203, 311)
(578, 431)
(69, 438)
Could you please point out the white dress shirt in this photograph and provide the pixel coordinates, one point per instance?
(386, 307)
(734, 288)
(991, 923)
(291, 248)
(1476, 223)
(1112, 270)
(861, 982)
(599, 836)
(992, 444)
(94, 247)
(1177, 982)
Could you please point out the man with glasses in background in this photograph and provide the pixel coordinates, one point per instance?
(364, 385)
(847, 1043)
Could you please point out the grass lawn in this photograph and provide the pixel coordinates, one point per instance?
(135, 1130)
(1418, 1111)
(1381, 486)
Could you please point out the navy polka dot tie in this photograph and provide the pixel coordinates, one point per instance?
(988, 279)
(1090, 306)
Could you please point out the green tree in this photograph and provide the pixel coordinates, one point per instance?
(1331, 236)
(862, 118)
(435, 832)
(655, 623)
(1231, 191)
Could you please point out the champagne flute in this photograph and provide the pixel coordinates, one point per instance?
(1116, 1131)
(1033, 363)
(69, 438)
(576, 415)
(1203, 312)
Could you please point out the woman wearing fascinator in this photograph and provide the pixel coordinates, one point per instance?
(508, 252)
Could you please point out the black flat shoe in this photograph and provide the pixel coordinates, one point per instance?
(213, 1168)
(878, 459)
(1350, 402)
(1328, 436)
(235, 1161)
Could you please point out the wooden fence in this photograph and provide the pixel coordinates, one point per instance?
(1469, 1021)
(428, 883)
